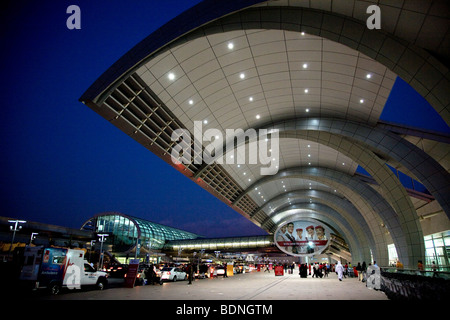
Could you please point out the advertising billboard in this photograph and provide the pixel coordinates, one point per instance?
(302, 238)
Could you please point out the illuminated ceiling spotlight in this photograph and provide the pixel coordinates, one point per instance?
(258, 116)
(361, 100)
(250, 99)
(171, 76)
(306, 110)
(369, 75)
(230, 45)
(242, 76)
(191, 102)
(306, 90)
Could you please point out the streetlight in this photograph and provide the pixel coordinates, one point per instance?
(33, 236)
(149, 249)
(101, 239)
(180, 249)
(90, 251)
(17, 227)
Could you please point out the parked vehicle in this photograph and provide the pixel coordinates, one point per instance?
(201, 272)
(55, 268)
(220, 270)
(172, 274)
(117, 271)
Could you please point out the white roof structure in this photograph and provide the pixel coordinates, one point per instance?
(315, 72)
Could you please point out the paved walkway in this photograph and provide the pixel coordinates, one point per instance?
(241, 287)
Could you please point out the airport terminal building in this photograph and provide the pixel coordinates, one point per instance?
(315, 78)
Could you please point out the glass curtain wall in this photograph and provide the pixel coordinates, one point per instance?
(437, 250)
(124, 232)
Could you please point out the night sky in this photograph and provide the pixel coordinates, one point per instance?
(62, 163)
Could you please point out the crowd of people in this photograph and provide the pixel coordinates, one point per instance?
(314, 270)
(320, 270)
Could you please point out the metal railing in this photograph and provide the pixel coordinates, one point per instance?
(441, 272)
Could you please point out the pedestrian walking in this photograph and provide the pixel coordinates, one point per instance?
(340, 270)
(190, 272)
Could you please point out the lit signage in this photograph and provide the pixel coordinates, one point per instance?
(302, 238)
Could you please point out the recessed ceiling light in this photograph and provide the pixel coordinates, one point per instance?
(309, 163)
(242, 76)
(302, 33)
(258, 116)
(361, 101)
(249, 180)
(309, 146)
(171, 76)
(369, 75)
(343, 163)
(245, 173)
(307, 110)
(305, 65)
(250, 99)
(230, 45)
(306, 90)
(191, 101)
(309, 156)
(205, 121)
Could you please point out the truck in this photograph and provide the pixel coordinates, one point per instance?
(55, 268)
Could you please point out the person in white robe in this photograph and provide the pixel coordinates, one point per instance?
(340, 270)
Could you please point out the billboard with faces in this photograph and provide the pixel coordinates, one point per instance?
(302, 238)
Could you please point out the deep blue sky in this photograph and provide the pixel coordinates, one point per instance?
(61, 162)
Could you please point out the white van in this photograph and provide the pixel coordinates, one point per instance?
(55, 268)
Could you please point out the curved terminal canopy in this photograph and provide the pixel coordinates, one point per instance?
(301, 85)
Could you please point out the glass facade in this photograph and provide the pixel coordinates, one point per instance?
(437, 250)
(125, 232)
